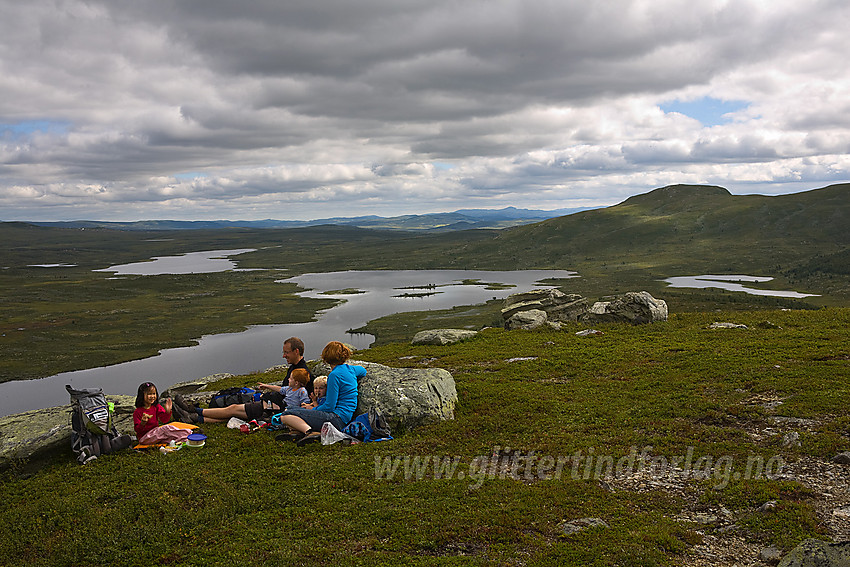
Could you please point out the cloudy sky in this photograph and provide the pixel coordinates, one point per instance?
(218, 109)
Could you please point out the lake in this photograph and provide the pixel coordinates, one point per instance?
(732, 283)
(191, 263)
(380, 293)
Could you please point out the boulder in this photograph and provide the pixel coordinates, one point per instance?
(531, 319)
(634, 307)
(407, 397)
(31, 433)
(558, 305)
(575, 526)
(441, 336)
(724, 325)
(589, 333)
(770, 555)
(817, 553)
(842, 458)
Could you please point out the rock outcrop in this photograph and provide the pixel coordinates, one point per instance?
(817, 553)
(724, 325)
(407, 397)
(575, 526)
(559, 306)
(441, 336)
(636, 308)
(551, 307)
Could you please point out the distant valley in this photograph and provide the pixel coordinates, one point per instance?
(71, 317)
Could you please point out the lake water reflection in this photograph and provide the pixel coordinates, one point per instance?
(383, 293)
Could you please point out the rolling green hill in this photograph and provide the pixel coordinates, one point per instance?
(700, 226)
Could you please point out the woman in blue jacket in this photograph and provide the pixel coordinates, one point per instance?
(340, 401)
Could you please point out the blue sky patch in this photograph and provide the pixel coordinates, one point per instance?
(27, 127)
(709, 111)
(190, 175)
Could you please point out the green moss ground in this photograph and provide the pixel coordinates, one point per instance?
(673, 386)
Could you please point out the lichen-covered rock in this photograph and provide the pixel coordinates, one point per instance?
(527, 320)
(442, 336)
(521, 310)
(817, 553)
(406, 397)
(726, 325)
(558, 305)
(633, 307)
(575, 526)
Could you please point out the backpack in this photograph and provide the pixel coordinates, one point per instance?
(371, 426)
(92, 432)
(230, 396)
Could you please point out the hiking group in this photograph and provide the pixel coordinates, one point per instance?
(303, 403)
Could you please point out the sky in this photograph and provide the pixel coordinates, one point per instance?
(209, 109)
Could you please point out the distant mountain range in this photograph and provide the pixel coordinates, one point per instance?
(433, 222)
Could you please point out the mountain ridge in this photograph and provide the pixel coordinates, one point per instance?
(463, 219)
(677, 226)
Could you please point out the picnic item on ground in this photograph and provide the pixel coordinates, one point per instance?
(196, 440)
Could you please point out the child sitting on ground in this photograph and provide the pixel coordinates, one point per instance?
(294, 395)
(320, 390)
(149, 413)
(317, 398)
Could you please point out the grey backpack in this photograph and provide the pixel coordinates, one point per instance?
(92, 432)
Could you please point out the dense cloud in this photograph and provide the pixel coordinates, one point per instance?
(121, 110)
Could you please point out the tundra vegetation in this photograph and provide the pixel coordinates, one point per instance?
(672, 387)
(667, 389)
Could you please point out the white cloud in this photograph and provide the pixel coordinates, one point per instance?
(215, 109)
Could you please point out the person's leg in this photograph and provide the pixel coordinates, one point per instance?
(218, 415)
(295, 422)
(316, 420)
(300, 422)
(179, 414)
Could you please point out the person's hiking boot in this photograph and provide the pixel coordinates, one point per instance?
(183, 404)
(291, 436)
(181, 415)
(312, 437)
